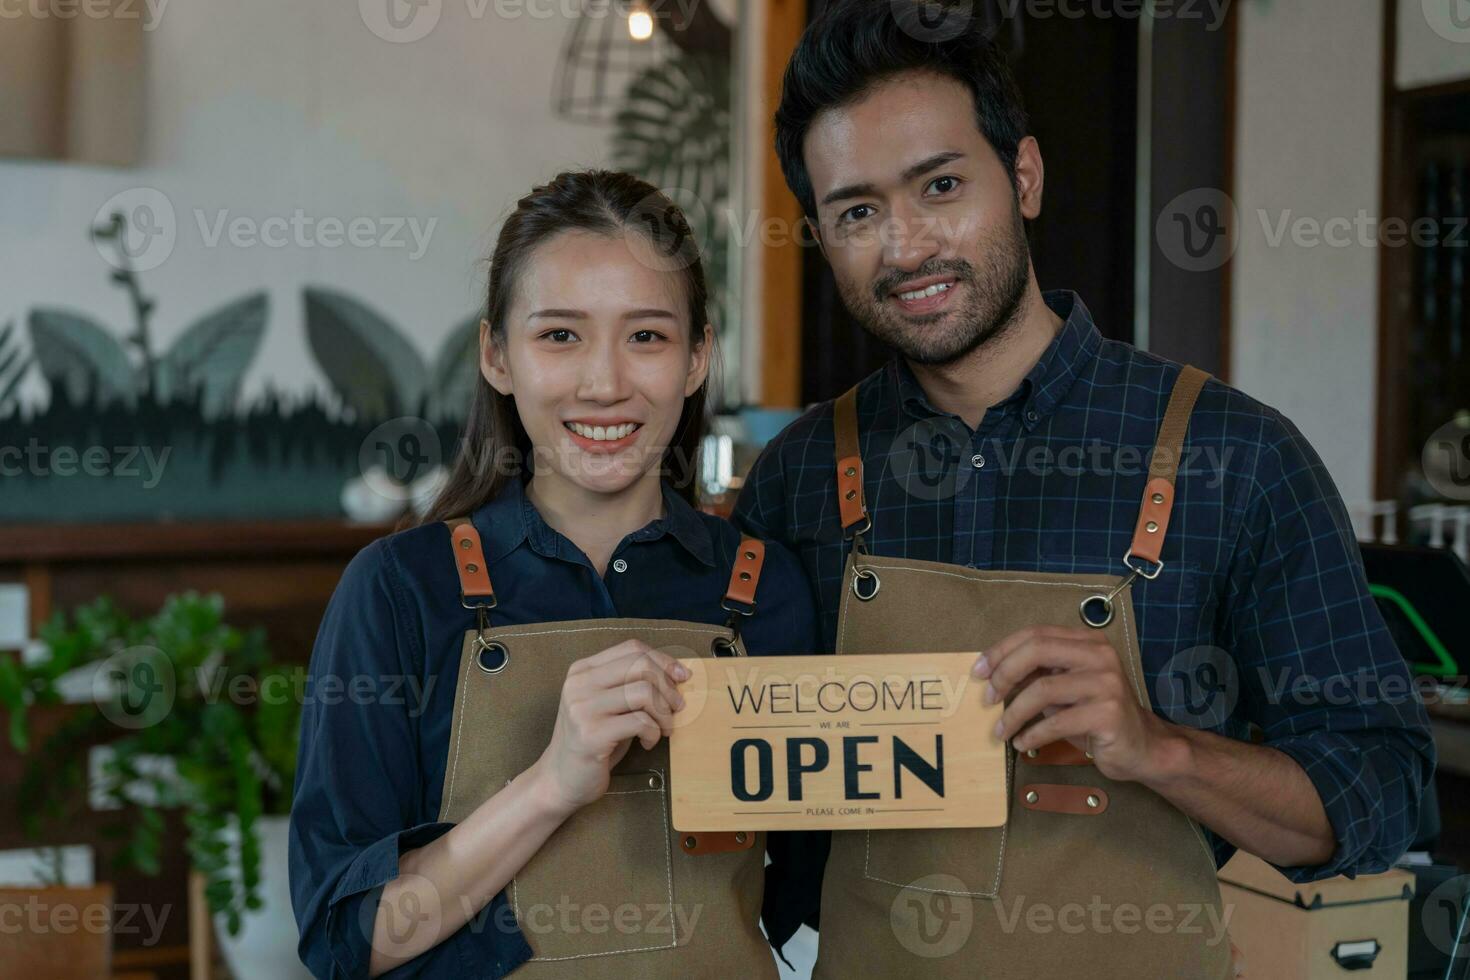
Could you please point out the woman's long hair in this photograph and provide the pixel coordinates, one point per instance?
(494, 446)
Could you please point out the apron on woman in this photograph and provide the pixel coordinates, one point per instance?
(615, 892)
(1076, 845)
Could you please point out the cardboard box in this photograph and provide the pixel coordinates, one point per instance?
(1331, 928)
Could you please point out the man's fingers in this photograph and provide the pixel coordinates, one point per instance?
(1047, 691)
(1040, 655)
(1079, 721)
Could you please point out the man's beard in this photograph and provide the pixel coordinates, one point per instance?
(985, 305)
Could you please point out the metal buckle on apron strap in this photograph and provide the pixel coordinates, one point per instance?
(476, 592)
(739, 600)
(1097, 610)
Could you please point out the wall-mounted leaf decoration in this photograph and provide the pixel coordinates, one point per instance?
(372, 368)
(13, 365)
(213, 354)
(455, 371)
(76, 353)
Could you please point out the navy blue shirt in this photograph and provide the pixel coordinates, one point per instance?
(1262, 599)
(376, 722)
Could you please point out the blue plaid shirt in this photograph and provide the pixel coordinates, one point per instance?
(1261, 617)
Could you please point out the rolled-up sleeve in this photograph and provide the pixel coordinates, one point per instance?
(358, 800)
(1320, 673)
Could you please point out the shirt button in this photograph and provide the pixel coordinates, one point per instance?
(620, 566)
(1032, 416)
(977, 461)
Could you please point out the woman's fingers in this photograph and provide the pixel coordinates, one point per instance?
(635, 724)
(630, 650)
(619, 673)
(638, 695)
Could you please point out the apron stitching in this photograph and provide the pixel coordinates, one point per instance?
(515, 900)
(458, 734)
(711, 631)
(1194, 824)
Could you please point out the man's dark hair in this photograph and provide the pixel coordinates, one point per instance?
(855, 44)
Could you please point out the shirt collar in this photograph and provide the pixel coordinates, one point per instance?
(510, 519)
(1049, 379)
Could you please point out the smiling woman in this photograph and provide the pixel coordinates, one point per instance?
(533, 775)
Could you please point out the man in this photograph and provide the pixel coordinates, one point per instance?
(1008, 437)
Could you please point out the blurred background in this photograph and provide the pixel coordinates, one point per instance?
(242, 263)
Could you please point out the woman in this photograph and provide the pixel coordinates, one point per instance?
(483, 772)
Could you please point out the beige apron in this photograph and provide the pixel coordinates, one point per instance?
(615, 892)
(1088, 877)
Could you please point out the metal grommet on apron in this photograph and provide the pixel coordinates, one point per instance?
(1073, 837)
(621, 851)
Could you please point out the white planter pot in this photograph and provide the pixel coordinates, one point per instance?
(265, 948)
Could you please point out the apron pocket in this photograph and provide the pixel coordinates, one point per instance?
(603, 883)
(948, 860)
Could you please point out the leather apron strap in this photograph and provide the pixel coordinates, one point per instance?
(1158, 494)
(469, 562)
(1163, 467)
(853, 510)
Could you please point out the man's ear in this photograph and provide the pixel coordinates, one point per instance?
(699, 362)
(492, 361)
(1030, 177)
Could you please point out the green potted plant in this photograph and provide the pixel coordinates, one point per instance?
(194, 716)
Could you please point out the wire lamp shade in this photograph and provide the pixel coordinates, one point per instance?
(599, 58)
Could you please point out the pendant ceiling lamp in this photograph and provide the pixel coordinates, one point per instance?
(608, 43)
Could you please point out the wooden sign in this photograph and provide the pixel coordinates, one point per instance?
(841, 743)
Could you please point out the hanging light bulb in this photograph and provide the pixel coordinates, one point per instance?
(640, 23)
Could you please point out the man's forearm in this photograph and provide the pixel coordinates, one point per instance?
(1254, 796)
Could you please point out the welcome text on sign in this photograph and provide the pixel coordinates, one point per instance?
(776, 743)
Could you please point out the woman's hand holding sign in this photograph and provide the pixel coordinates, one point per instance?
(625, 692)
(1068, 683)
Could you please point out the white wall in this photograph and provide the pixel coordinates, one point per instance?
(1308, 146)
(270, 106)
(1433, 47)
